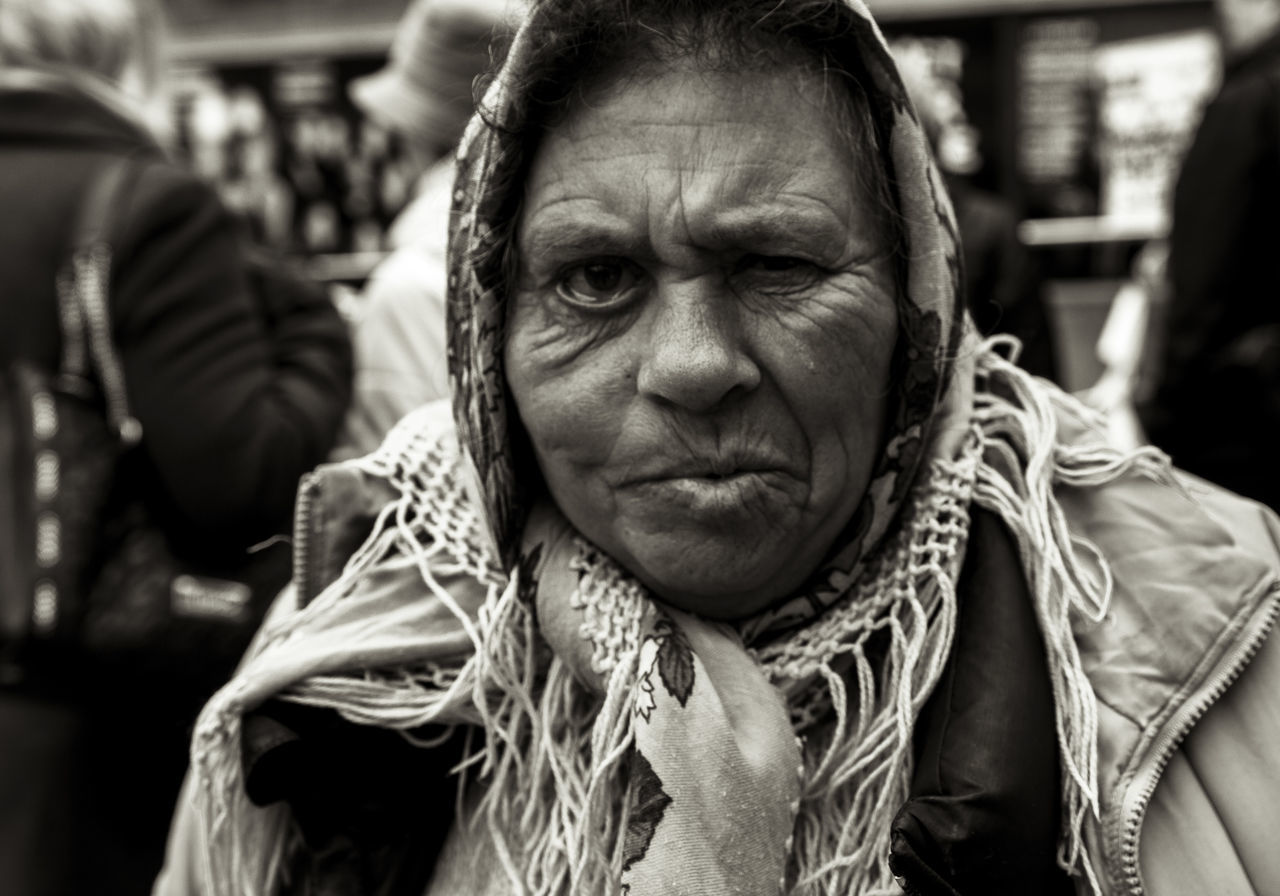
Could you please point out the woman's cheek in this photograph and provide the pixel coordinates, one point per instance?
(546, 332)
(571, 390)
(848, 327)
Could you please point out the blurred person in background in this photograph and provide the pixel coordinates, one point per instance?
(1216, 407)
(239, 389)
(251, 183)
(1002, 287)
(1129, 345)
(424, 96)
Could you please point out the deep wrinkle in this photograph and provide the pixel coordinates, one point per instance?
(714, 427)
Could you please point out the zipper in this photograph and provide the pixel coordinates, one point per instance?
(1138, 796)
(93, 271)
(308, 488)
(75, 358)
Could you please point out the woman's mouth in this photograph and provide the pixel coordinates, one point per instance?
(713, 496)
(709, 470)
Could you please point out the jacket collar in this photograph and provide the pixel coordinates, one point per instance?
(37, 106)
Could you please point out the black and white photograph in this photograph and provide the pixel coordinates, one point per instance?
(639, 447)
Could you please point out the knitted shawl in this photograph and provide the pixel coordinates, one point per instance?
(628, 746)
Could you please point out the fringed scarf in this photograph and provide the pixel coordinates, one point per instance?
(628, 746)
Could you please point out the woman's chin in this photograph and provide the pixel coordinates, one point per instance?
(717, 580)
(721, 548)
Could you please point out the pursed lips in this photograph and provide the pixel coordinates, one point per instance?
(709, 467)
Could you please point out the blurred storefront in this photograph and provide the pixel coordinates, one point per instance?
(1083, 111)
(261, 109)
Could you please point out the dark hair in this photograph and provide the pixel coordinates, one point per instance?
(580, 47)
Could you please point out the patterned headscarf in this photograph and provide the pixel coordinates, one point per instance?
(627, 745)
(812, 815)
(495, 152)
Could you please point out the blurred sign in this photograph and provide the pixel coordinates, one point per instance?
(1055, 73)
(1150, 95)
(310, 82)
(1055, 67)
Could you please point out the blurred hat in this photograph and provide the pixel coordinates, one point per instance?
(425, 90)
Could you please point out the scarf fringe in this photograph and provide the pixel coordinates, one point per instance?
(554, 760)
(544, 784)
(858, 767)
(247, 845)
(1066, 573)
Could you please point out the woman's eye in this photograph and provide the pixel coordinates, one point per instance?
(774, 263)
(777, 273)
(598, 282)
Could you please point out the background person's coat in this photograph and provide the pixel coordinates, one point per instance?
(399, 334)
(239, 391)
(1216, 409)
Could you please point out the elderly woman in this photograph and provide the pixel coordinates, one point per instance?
(739, 566)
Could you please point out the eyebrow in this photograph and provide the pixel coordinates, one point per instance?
(554, 233)
(766, 224)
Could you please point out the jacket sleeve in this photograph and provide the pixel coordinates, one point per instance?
(238, 373)
(372, 808)
(1210, 824)
(181, 874)
(1210, 827)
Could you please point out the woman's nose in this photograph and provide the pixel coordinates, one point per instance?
(696, 354)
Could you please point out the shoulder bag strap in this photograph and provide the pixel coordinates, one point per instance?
(84, 310)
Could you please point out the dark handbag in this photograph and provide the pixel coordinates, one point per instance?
(91, 577)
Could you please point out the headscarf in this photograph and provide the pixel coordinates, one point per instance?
(630, 745)
(496, 149)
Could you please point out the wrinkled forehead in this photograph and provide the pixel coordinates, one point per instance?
(688, 89)
(735, 143)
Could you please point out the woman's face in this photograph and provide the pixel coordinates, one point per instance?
(700, 335)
